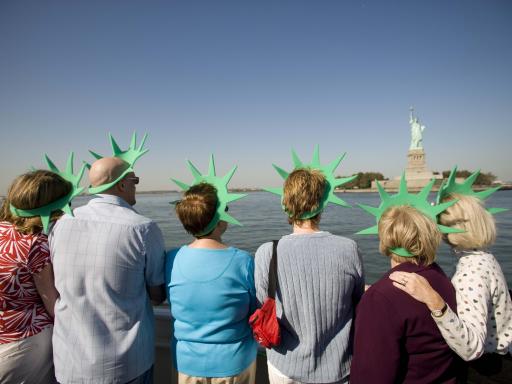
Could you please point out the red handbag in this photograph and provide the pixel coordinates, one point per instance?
(264, 323)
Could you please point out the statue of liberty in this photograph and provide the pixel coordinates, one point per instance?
(416, 131)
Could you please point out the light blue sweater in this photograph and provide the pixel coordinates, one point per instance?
(320, 280)
(212, 295)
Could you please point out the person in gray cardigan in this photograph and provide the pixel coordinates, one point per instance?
(320, 281)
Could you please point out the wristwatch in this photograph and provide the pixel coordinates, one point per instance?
(439, 312)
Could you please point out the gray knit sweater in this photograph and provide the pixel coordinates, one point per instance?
(320, 279)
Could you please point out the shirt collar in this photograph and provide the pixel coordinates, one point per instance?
(411, 267)
(103, 198)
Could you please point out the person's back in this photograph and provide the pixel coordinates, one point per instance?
(27, 290)
(405, 343)
(210, 288)
(108, 262)
(396, 339)
(104, 319)
(319, 281)
(212, 296)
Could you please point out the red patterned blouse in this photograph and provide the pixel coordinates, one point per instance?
(22, 313)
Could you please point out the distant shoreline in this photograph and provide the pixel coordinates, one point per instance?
(505, 187)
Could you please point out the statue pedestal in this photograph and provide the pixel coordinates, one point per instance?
(417, 166)
(416, 174)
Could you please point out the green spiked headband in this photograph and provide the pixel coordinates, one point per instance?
(403, 197)
(331, 181)
(130, 156)
(62, 204)
(223, 196)
(450, 186)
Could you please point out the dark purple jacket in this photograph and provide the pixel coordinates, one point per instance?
(396, 339)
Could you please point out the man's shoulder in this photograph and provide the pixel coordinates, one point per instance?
(110, 213)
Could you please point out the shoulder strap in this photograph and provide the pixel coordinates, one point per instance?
(272, 271)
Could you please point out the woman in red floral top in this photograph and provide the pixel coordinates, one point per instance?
(27, 291)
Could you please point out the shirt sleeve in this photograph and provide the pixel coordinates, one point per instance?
(250, 285)
(359, 287)
(262, 261)
(467, 332)
(155, 255)
(169, 264)
(39, 254)
(377, 341)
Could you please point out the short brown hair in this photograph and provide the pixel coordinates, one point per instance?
(406, 227)
(30, 191)
(303, 192)
(197, 208)
(469, 214)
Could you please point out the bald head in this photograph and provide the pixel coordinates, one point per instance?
(106, 170)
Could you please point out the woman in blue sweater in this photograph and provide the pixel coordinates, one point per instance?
(210, 288)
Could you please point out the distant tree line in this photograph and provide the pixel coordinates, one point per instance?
(482, 179)
(363, 180)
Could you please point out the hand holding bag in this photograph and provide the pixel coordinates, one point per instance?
(264, 323)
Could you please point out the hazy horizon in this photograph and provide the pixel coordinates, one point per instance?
(249, 81)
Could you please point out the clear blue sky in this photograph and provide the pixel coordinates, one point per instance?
(249, 80)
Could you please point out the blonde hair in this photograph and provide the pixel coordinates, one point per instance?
(197, 208)
(469, 214)
(30, 191)
(406, 227)
(304, 189)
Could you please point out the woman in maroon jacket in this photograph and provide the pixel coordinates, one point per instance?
(396, 339)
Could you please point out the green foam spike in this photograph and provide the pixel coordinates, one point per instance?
(61, 204)
(382, 192)
(343, 180)
(195, 172)
(335, 163)
(229, 175)
(426, 190)
(97, 156)
(450, 187)
(493, 211)
(223, 195)
(327, 171)
(296, 161)
(281, 171)
(235, 196)
(211, 166)
(369, 231)
(181, 184)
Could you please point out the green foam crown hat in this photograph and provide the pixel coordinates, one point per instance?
(403, 197)
(62, 204)
(327, 171)
(450, 186)
(223, 196)
(130, 156)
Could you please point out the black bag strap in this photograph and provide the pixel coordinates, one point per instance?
(272, 271)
